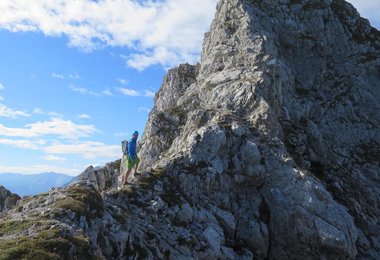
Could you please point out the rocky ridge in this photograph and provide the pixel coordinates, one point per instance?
(269, 148)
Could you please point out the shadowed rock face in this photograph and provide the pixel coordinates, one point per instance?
(7, 199)
(269, 148)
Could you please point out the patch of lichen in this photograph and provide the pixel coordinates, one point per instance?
(48, 244)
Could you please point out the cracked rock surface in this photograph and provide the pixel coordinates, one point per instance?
(267, 149)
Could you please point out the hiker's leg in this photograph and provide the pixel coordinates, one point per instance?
(127, 173)
(137, 164)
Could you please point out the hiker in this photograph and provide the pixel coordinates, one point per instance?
(132, 159)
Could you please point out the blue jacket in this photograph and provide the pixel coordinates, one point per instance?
(132, 149)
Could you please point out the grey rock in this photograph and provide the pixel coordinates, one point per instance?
(270, 145)
(215, 239)
(186, 213)
(227, 221)
(7, 199)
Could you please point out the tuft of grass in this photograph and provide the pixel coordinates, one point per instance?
(76, 206)
(83, 201)
(8, 227)
(47, 244)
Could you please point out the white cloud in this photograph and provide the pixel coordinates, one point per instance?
(11, 113)
(1, 86)
(1, 98)
(122, 81)
(56, 127)
(74, 75)
(135, 93)
(84, 116)
(24, 144)
(129, 92)
(39, 111)
(157, 32)
(369, 9)
(57, 76)
(107, 92)
(85, 91)
(34, 169)
(85, 149)
(51, 157)
(54, 114)
(88, 150)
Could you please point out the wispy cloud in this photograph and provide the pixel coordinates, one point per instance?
(57, 76)
(39, 111)
(84, 116)
(84, 149)
(135, 93)
(11, 113)
(74, 75)
(51, 157)
(107, 92)
(156, 32)
(86, 91)
(55, 127)
(129, 92)
(6, 111)
(24, 144)
(87, 150)
(122, 81)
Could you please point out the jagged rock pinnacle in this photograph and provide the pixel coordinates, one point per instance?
(267, 149)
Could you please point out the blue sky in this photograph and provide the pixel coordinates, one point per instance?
(74, 83)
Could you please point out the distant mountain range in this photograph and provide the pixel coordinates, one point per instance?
(33, 184)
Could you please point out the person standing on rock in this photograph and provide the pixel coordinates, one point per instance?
(132, 159)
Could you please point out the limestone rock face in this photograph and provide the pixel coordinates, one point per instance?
(285, 114)
(7, 199)
(267, 149)
(102, 178)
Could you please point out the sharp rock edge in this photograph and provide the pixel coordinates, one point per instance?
(267, 149)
